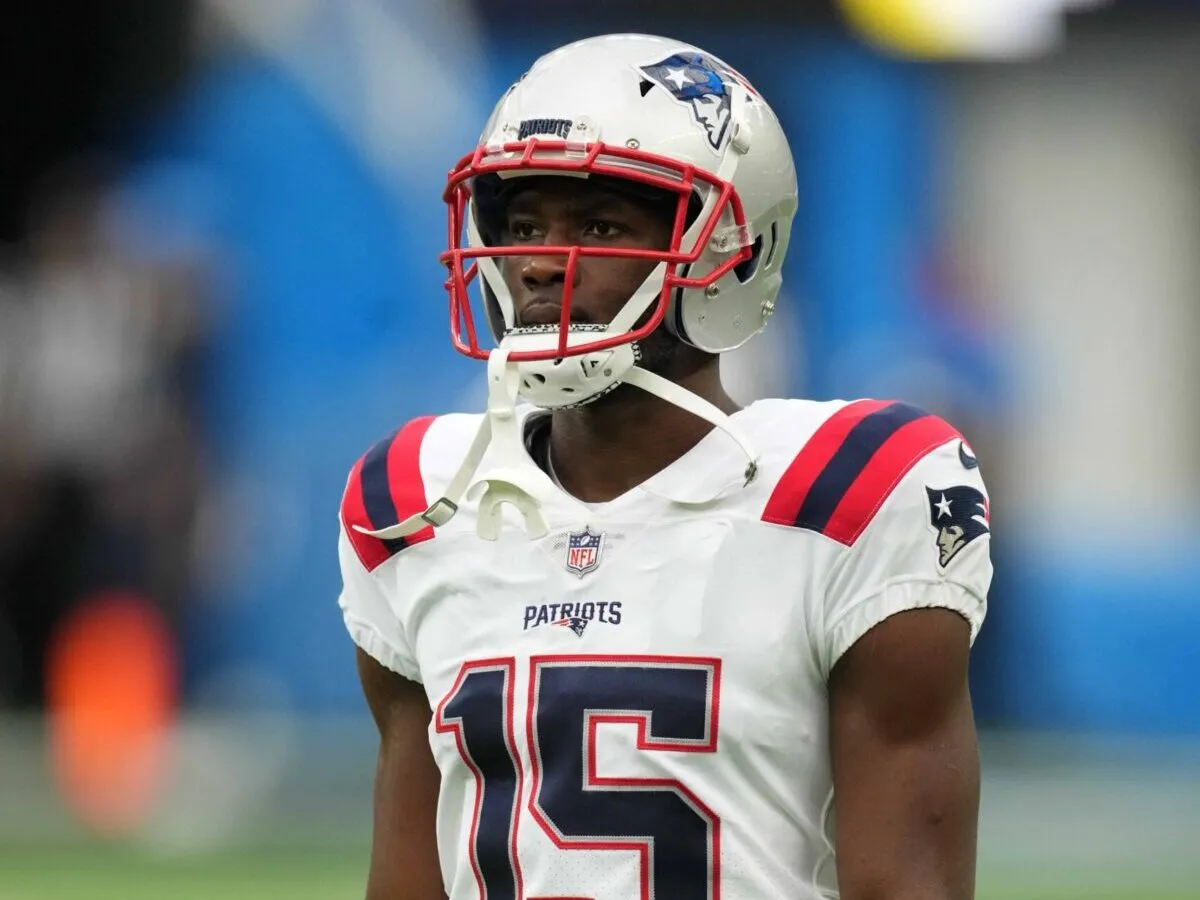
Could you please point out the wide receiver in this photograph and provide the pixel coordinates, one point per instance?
(621, 638)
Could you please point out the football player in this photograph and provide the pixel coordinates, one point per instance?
(621, 638)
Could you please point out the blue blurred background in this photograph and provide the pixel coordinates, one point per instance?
(219, 285)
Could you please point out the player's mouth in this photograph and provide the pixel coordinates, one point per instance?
(547, 312)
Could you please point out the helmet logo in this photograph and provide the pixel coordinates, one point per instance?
(703, 83)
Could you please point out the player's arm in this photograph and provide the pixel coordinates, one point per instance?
(404, 858)
(902, 494)
(382, 487)
(905, 761)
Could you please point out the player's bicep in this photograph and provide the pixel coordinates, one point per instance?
(404, 858)
(905, 760)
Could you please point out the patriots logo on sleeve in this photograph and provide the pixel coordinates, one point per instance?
(958, 515)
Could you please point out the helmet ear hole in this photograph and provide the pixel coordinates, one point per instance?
(774, 244)
(744, 271)
(674, 319)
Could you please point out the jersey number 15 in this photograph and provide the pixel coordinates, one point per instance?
(674, 704)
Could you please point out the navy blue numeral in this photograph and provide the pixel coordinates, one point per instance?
(673, 702)
(673, 705)
(478, 710)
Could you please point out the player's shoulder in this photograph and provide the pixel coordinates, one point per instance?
(832, 466)
(394, 479)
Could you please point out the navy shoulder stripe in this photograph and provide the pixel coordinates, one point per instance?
(848, 468)
(386, 487)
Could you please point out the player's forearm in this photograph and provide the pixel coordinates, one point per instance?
(909, 892)
(929, 854)
(916, 847)
(404, 860)
(402, 893)
(906, 762)
(397, 874)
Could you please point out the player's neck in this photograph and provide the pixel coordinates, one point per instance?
(604, 449)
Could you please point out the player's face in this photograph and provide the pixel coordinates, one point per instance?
(560, 211)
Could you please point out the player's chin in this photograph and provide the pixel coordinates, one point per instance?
(667, 356)
(662, 354)
(540, 315)
(539, 322)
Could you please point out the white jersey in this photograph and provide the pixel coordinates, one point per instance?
(636, 704)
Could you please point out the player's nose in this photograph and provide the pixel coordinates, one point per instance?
(544, 270)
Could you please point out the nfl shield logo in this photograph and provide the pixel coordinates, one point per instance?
(583, 551)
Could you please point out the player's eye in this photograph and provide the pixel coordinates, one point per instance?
(602, 228)
(522, 230)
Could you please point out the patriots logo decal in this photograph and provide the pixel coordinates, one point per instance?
(577, 624)
(703, 83)
(958, 515)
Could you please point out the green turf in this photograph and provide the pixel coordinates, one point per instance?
(116, 875)
(1132, 892)
(94, 873)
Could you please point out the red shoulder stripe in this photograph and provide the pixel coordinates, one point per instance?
(404, 476)
(789, 495)
(386, 487)
(889, 464)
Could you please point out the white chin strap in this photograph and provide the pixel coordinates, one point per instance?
(513, 478)
(697, 406)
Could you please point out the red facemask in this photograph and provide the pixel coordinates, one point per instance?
(536, 156)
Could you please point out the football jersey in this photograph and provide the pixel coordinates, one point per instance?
(636, 705)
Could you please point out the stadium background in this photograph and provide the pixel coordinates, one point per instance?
(218, 286)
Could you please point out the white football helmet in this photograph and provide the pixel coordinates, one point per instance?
(663, 117)
(655, 112)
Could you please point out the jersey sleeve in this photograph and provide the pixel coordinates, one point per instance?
(900, 492)
(385, 486)
(927, 545)
(373, 623)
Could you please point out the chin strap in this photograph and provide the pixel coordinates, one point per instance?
(512, 479)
